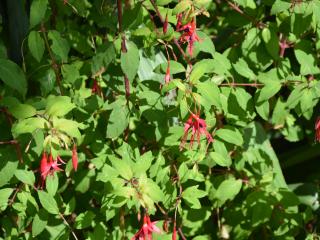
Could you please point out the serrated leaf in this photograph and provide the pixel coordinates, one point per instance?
(192, 195)
(25, 176)
(227, 190)
(58, 105)
(122, 167)
(28, 125)
(39, 222)
(269, 91)
(200, 68)
(37, 11)
(4, 196)
(67, 126)
(84, 220)
(118, 120)
(130, 61)
(12, 75)
(48, 202)
(36, 45)
(52, 184)
(243, 69)
(230, 136)
(220, 159)
(60, 46)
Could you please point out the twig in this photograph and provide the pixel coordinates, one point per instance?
(16, 145)
(181, 234)
(54, 63)
(12, 142)
(174, 39)
(251, 19)
(123, 46)
(65, 221)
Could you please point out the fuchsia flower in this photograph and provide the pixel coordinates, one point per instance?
(198, 127)
(317, 130)
(165, 25)
(174, 233)
(96, 89)
(49, 166)
(74, 157)
(167, 76)
(145, 232)
(189, 34)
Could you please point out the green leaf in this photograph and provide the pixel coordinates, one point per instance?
(122, 167)
(210, 94)
(67, 126)
(28, 125)
(271, 42)
(37, 12)
(306, 100)
(25, 176)
(36, 45)
(280, 6)
(181, 6)
(4, 196)
(48, 202)
(12, 75)
(154, 191)
(58, 105)
(263, 109)
(130, 61)
(52, 184)
(118, 120)
(84, 220)
(243, 69)
(192, 194)
(204, 45)
(220, 159)
(269, 91)
(18, 110)
(200, 68)
(60, 46)
(231, 136)
(308, 64)
(227, 190)
(39, 222)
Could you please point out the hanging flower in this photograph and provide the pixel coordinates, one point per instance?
(189, 34)
(48, 166)
(174, 233)
(145, 232)
(165, 25)
(96, 89)
(167, 76)
(317, 130)
(198, 127)
(74, 157)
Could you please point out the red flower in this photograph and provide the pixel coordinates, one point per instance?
(174, 233)
(145, 232)
(96, 89)
(189, 35)
(317, 129)
(198, 127)
(167, 76)
(48, 166)
(165, 25)
(74, 157)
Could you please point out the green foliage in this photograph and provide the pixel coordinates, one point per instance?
(196, 116)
